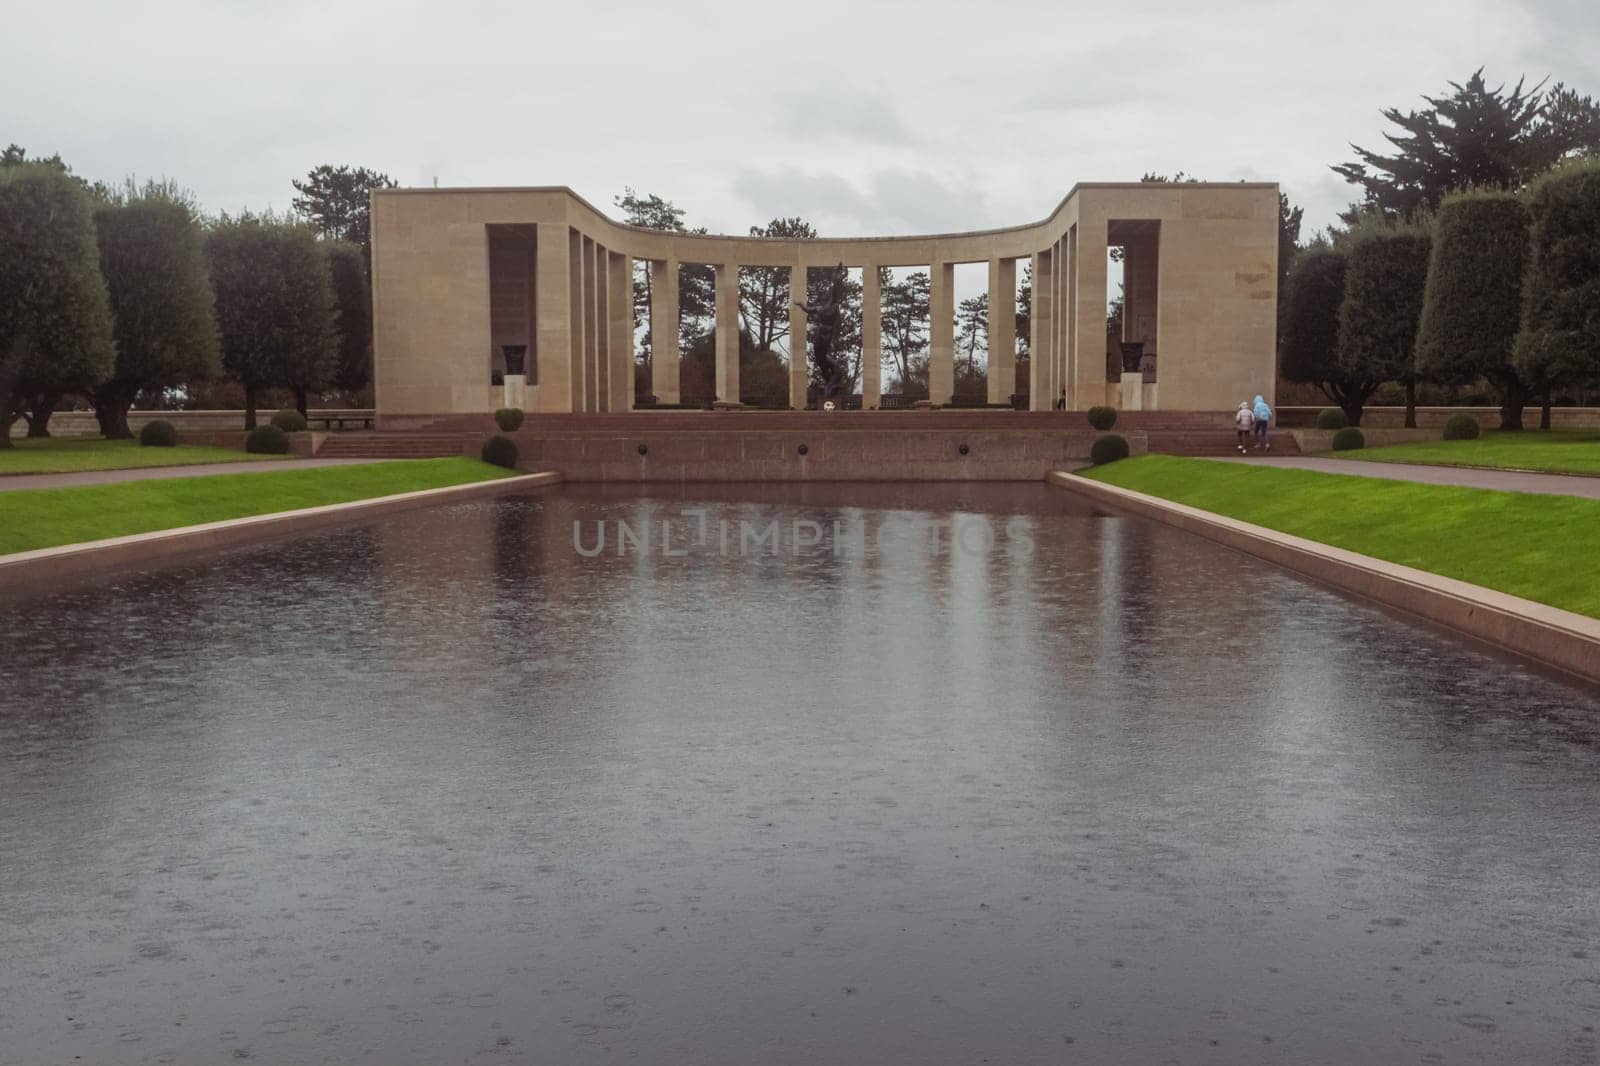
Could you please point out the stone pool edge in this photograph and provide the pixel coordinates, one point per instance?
(1565, 640)
(31, 570)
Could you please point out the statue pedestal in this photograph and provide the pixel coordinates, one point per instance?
(516, 390)
(1132, 390)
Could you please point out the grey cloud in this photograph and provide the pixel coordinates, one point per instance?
(893, 201)
(851, 112)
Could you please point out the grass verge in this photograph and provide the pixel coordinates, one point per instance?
(1541, 547)
(1555, 451)
(65, 455)
(45, 518)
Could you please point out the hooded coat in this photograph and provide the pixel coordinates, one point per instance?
(1263, 413)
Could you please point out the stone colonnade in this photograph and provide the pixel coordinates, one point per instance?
(556, 275)
(1002, 354)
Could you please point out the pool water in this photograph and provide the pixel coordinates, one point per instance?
(929, 774)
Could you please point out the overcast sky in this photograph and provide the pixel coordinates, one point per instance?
(866, 118)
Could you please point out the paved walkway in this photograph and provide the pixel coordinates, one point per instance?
(1501, 480)
(9, 482)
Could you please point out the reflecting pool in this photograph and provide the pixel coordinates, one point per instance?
(983, 777)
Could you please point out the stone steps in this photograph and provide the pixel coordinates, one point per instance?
(877, 421)
(379, 445)
(1215, 443)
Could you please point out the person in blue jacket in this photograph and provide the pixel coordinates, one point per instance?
(1263, 415)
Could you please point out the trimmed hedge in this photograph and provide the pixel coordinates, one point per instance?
(289, 420)
(158, 434)
(1461, 427)
(1108, 449)
(267, 440)
(1349, 439)
(501, 451)
(1308, 344)
(1560, 338)
(1102, 418)
(509, 419)
(1386, 271)
(1473, 299)
(1331, 418)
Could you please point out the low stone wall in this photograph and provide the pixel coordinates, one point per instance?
(1436, 417)
(1561, 639)
(820, 454)
(1321, 440)
(188, 423)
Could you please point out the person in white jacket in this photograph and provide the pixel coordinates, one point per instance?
(1244, 420)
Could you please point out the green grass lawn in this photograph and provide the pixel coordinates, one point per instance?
(43, 518)
(1565, 451)
(1544, 548)
(61, 455)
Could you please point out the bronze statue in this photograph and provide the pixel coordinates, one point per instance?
(824, 313)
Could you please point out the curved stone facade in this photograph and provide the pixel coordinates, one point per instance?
(461, 275)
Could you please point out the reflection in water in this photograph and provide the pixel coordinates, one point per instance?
(440, 787)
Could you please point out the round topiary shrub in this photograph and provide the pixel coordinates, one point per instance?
(158, 434)
(509, 419)
(501, 451)
(1331, 418)
(1108, 449)
(289, 420)
(267, 440)
(1102, 418)
(1348, 439)
(1461, 427)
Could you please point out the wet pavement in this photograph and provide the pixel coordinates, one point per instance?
(974, 776)
(1585, 485)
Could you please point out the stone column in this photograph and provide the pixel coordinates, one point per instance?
(799, 351)
(620, 304)
(664, 330)
(1069, 316)
(871, 337)
(1089, 314)
(552, 298)
(727, 383)
(1058, 346)
(602, 328)
(1041, 330)
(941, 332)
(1002, 329)
(575, 310)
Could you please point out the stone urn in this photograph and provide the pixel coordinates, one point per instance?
(516, 357)
(1132, 356)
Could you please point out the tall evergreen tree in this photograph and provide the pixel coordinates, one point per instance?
(1559, 342)
(1473, 300)
(275, 305)
(1386, 270)
(1472, 136)
(906, 305)
(337, 201)
(764, 291)
(1308, 343)
(697, 284)
(55, 317)
(352, 315)
(152, 255)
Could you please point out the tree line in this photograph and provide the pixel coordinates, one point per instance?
(1471, 260)
(130, 294)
